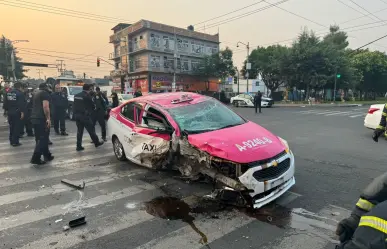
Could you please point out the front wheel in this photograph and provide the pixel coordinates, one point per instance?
(235, 103)
(118, 149)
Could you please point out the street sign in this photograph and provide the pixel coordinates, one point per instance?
(248, 66)
(27, 64)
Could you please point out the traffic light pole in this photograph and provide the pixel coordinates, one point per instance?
(334, 89)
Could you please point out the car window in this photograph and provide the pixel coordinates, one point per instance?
(128, 111)
(73, 90)
(205, 116)
(154, 119)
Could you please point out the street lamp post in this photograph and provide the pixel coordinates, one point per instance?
(248, 66)
(12, 57)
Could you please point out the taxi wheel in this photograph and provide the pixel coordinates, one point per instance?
(118, 149)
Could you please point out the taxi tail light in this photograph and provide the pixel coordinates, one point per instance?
(372, 110)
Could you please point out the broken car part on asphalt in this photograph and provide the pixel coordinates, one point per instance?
(77, 222)
(73, 184)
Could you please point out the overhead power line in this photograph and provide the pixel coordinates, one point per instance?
(72, 11)
(57, 13)
(231, 19)
(365, 45)
(217, 17)
(349, 6)
(361, 7)
(363, 15)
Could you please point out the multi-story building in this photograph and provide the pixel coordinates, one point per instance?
(147, 56)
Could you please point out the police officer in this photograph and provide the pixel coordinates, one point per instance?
(83, 111)
(367, 226)
(138, 93)
(382, 125)
(60, 105)
(27, 117)
(14, 105)
(100, 101)
(258, 101)
(41, 121)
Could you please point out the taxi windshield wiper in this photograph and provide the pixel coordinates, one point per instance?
(197, 131)
(228, 126)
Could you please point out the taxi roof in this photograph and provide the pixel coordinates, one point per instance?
(165, 100)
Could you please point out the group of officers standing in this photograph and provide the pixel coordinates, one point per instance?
(34, 110)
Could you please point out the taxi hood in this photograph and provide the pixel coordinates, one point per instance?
(244, 143)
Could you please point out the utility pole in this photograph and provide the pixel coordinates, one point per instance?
(60, 65)
(175, 64)
(39, 72)
(248, 65)
(84, 75)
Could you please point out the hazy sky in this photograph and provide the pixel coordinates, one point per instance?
(77, 38)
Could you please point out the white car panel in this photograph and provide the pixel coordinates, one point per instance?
(371, 121)
(281, 183)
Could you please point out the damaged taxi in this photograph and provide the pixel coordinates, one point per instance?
(201, 137)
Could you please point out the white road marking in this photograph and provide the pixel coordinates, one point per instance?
(36, 215)
(359, 115)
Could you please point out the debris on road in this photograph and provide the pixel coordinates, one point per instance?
(58, 220)
(42, 186)
(74, 184)
(65, 228)
(78, 222)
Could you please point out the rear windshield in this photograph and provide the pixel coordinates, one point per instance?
(74, 90)
(208, 115)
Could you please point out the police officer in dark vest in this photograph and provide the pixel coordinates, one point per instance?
(100, 101)
(83, 113)
(60, 105)
(14, 104)
(41, 121)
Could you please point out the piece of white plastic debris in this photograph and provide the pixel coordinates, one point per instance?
(58, 220)
(42, 186)
(65, 228)
(27, 206)
(335, 213)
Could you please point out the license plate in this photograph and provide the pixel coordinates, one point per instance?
(277, 182)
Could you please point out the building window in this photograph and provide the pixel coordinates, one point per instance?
(185, 46)
(155, 41)
(166, 42)
(178, 62)
(135, 43)
(168, 62)
(155, 61)
(214, 50)
(195, 65)
(137, 63)
(185, 65)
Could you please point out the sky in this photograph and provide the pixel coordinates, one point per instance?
(79, 41)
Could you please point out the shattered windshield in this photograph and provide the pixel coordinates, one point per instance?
(73, 90)
(205, 116)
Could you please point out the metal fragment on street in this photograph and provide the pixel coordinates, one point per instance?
(73, 184)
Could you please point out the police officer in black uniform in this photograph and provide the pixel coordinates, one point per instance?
(83, 113)
(41, 121)
(100, 101)
(366, 228)
(14, 104)
(60, 105)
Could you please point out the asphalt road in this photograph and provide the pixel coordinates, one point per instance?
(335, 160)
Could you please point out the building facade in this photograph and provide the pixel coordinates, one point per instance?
(148, 55)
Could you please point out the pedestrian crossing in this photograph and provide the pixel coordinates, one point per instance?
(351, 113)
(35, 206)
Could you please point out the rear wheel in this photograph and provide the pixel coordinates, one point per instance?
(118, 149)
(235, 103)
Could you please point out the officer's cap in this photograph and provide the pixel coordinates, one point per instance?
(97, 88)
(17, 85)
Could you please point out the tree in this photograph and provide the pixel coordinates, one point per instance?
(371, 70)
(219, 65)
(271, 64)
(6, 49)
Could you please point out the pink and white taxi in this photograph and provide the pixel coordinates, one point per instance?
(200, 137)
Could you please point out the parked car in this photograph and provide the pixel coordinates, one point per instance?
(247, 100)
(373, 116)
(201, 137)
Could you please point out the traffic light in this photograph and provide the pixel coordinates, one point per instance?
(338, 76)
(235, 80)
(98, 62)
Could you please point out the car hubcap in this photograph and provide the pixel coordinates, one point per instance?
(118, 148)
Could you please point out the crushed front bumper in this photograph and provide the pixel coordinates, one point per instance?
(268, 182)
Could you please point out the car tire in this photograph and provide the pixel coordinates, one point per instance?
(235, 103)
(118, 149)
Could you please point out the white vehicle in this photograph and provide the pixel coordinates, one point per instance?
(71, 91)
(248, 100)
(124, 97)
(373, 116)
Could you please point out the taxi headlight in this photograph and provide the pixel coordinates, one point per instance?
(285, 143)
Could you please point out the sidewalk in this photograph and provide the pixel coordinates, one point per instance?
(316, 105)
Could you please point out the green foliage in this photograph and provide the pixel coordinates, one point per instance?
(218, 65)
(5, 60)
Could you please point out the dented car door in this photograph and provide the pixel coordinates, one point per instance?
(151, 136)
